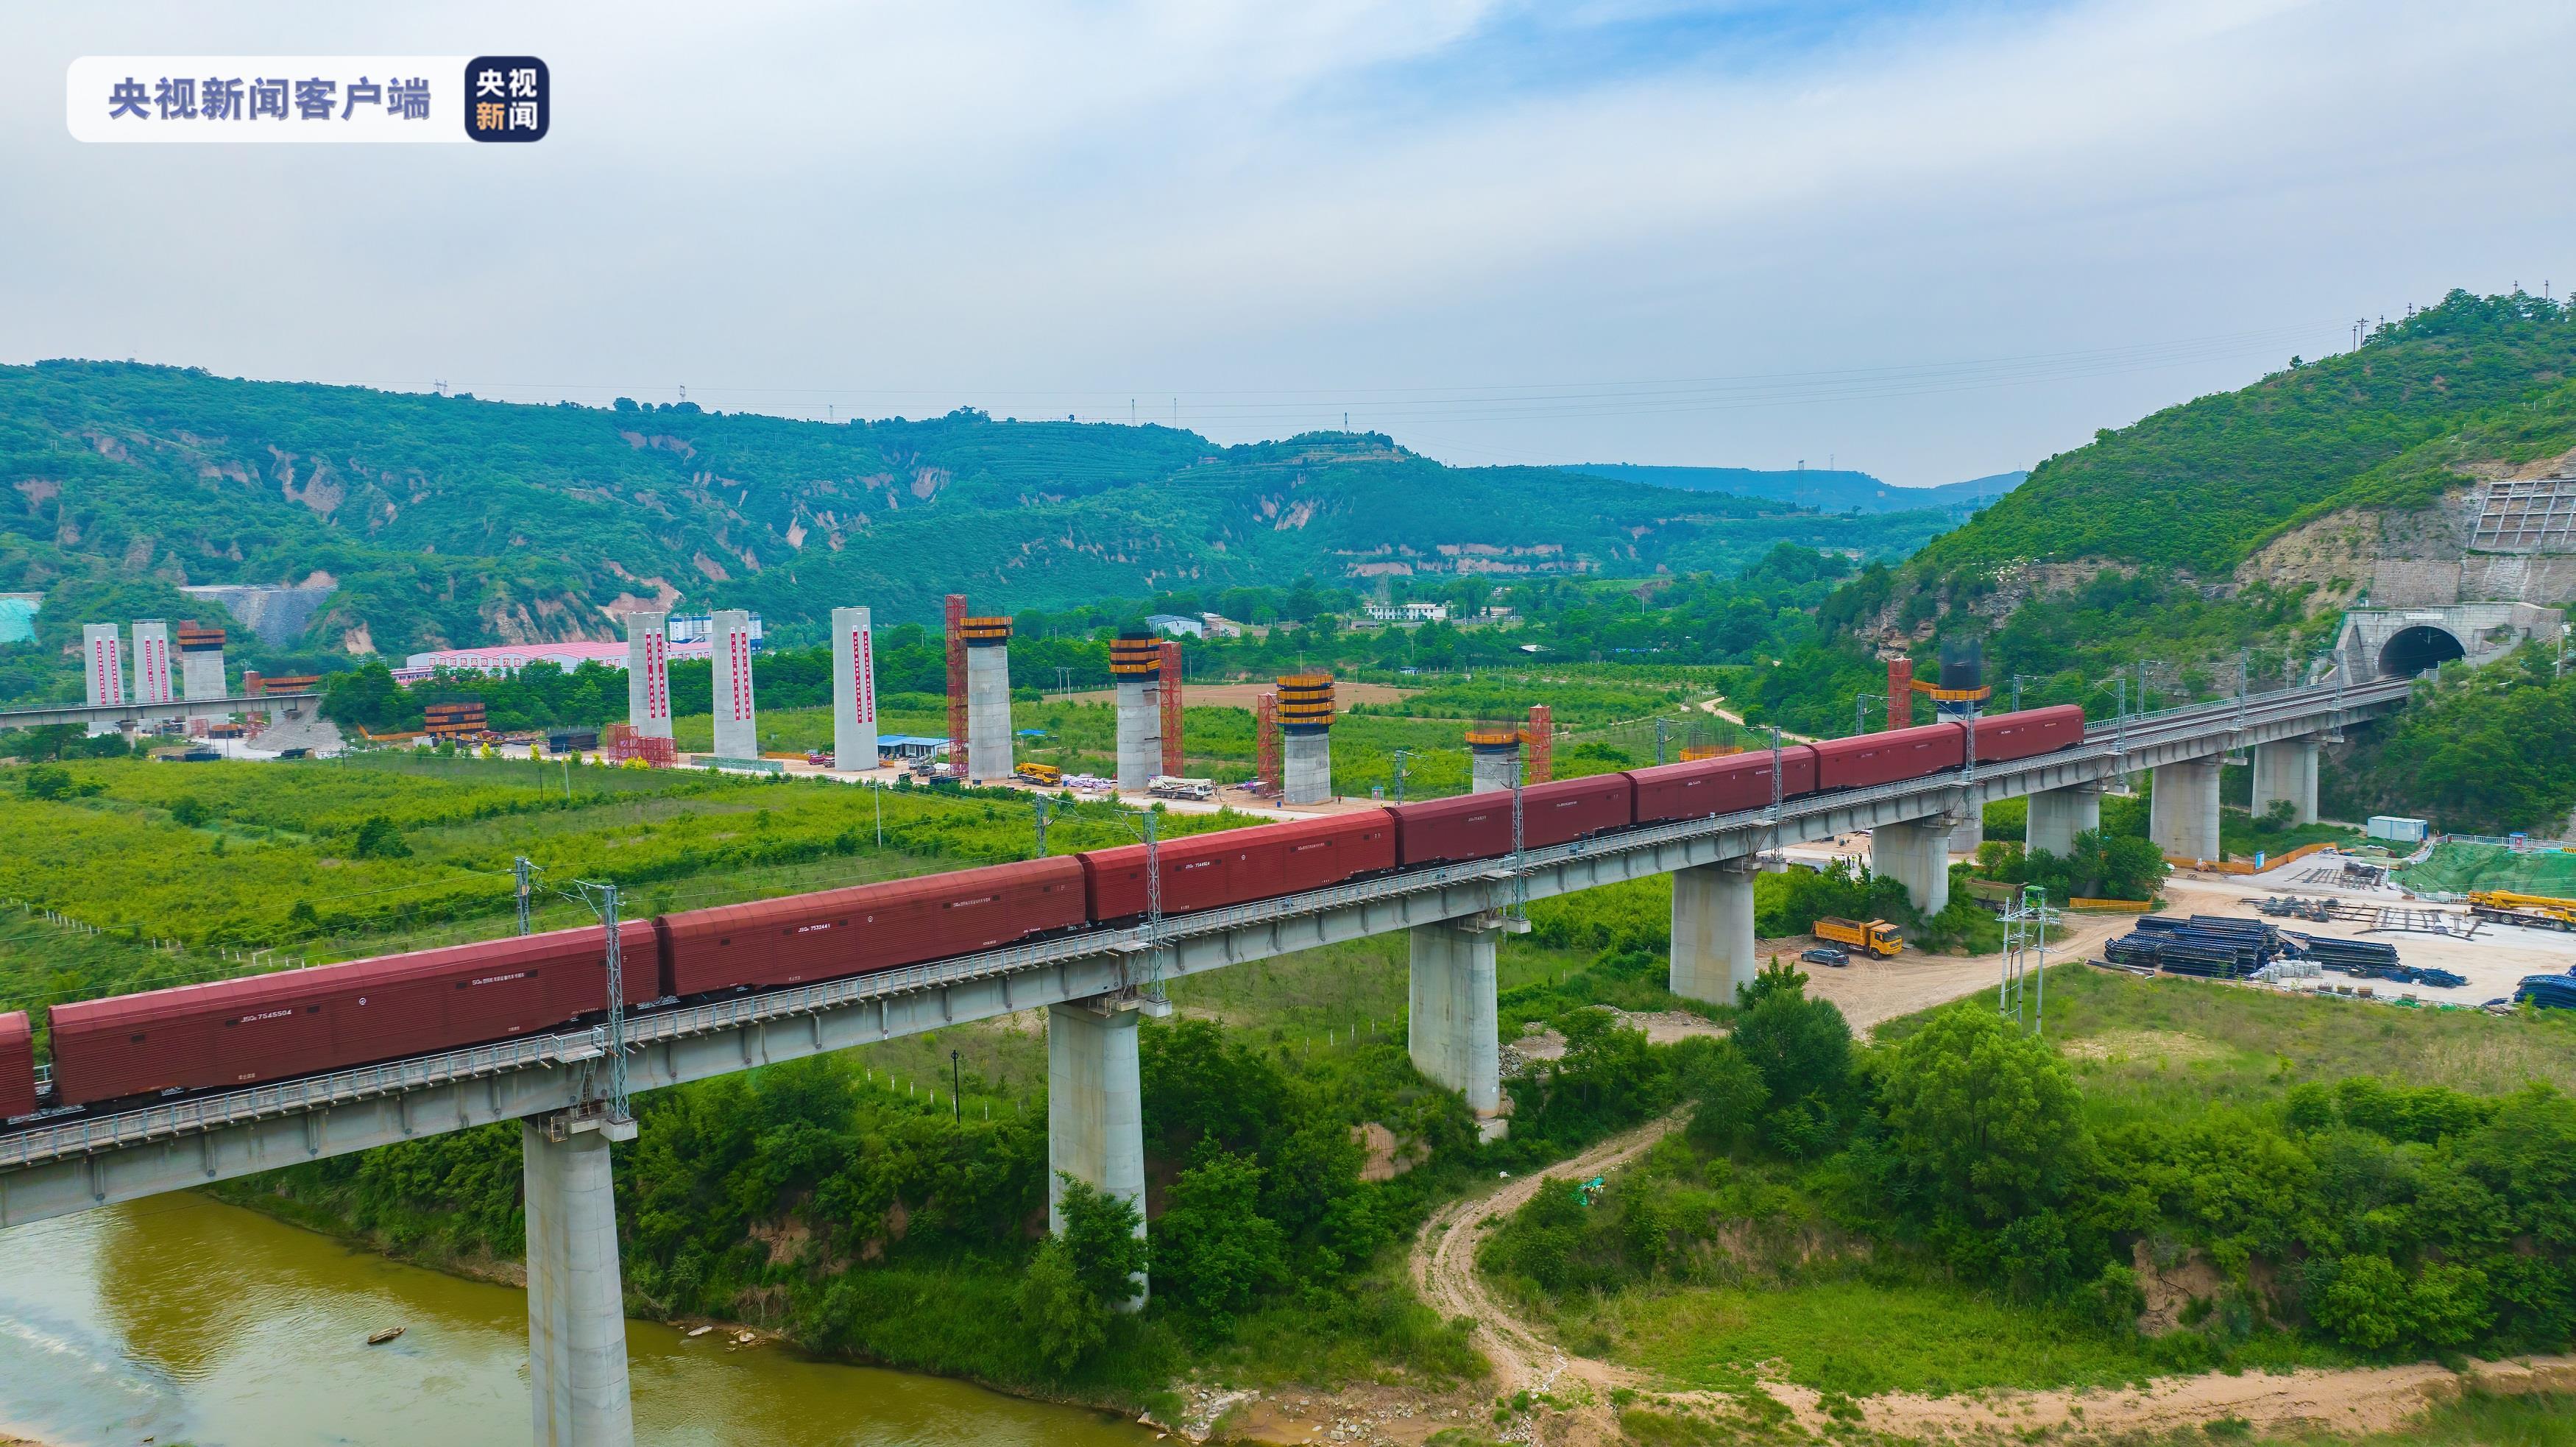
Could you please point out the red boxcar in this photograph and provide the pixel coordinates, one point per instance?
(1727, 785)
(2029, 733)
(868, 927)
(300, 1022)
(1237, 866)
(17, 1065)
(1479, 826)
(1866, 759)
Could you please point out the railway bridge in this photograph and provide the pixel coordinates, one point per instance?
(1096, 985)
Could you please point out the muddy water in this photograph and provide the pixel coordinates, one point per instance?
(178, 1319)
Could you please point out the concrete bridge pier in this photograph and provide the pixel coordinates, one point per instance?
(2182, 818)
(1713, 931)
(576, 1308)
(1096, 1108)
(2287, 770)
(1452, 1027)
(1916, 854)
(2058, 815)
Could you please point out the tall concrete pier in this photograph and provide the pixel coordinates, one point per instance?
(152, 683)
(2285, 772)
(1306, 738)
(648, 674)
(1136, 671)
(1452, 1018)
(1713, 949)
(854, 689)
(1493, 760)
(737, 719)
(1096, 1108)
(576, 1313)
(2182, 816)
(988, 699)
(104, 662)
(2058, 815)
(1917, 855)
(201, 663)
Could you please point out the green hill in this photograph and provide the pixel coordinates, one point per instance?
(450, 521)
(2199, 486)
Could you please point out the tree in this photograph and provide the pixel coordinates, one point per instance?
(1986, 1115)
(1726, 1090)
(1802, 1050)
(1068, 1321)
(1213, 1250)
(190, 813)
(1101, 1241)
(378, 838)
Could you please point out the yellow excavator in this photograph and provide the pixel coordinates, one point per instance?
(2540, 911)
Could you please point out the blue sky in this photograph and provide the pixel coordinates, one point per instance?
(1931, 240)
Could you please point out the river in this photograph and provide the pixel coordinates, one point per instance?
(180, 1319)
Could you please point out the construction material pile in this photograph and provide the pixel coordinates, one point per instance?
(2207, 945)
(2549, 992)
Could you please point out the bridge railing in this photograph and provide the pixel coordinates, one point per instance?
(160, 1122)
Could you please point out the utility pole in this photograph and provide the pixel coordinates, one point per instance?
(956, 1085)
(1041, 801)
(1775, 787)
(1663, 731)
(603, 898)
(1520, 874)
(519, 867)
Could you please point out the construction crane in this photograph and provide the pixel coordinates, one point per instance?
(2540, 911)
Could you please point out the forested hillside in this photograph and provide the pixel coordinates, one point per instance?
(2147, 548)
(449, 521)
(2200, 485)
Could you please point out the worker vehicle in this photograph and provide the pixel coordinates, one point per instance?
(130, 1049)
(2538, 911)
(1876, 937)
(1834, 955)
(1173, 786)
(1046, 776)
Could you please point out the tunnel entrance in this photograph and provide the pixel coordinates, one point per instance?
(2418, 648)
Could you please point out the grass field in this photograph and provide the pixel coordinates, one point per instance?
(2169, 1042)
(1793, 1289)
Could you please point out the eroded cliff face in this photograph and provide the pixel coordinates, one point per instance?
(2416, 558)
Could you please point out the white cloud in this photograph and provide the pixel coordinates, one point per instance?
(1039, 208)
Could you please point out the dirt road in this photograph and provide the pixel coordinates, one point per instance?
(1444, 1270)
(1718, 707)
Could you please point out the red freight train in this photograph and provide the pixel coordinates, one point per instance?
(17, 1065)
(298, 1022)
(333, 1016)
(868, 927)
(1238, 866)
(1730, 784)
(1479, 826)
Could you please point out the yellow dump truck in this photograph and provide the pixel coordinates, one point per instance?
(1877, 937)
(1044, 775)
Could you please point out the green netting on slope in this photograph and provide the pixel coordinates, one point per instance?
(2459, 868)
